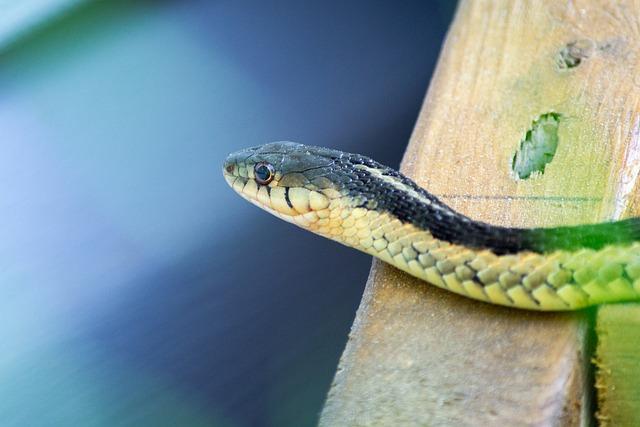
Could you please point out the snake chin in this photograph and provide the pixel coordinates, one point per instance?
(268, 199)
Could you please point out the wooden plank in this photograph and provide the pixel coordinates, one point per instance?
(420, 356)
(618, 375)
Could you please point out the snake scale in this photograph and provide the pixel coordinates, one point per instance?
(361, 203)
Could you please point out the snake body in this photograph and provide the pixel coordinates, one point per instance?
(361, 203)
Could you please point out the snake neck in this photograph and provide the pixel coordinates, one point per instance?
(378, 187)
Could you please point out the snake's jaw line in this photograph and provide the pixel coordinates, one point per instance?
(360, 203)
(230, 179)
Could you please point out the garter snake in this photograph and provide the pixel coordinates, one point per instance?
(361, 203)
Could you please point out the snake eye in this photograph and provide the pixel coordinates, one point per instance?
(264, 173)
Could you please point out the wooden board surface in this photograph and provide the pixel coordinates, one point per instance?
(420, 356)
(617, 359)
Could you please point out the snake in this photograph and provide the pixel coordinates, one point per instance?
(361, 203)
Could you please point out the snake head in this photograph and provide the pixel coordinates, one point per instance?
(332, 193)
(292, 181)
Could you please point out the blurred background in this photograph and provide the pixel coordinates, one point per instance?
(136, 288)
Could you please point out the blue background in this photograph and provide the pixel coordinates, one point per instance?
(137, 289)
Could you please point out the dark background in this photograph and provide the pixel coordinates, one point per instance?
(137, 289)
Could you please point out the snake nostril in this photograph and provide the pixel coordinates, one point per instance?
(229, 168)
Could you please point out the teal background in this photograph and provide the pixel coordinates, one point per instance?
(136, 288)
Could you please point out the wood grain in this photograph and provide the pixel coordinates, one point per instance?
(618, 375)
(420, 356)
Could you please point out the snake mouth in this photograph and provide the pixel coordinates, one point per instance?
(272, 199)
(227, 172)
(295, 205)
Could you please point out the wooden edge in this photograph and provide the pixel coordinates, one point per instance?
(618, 363)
